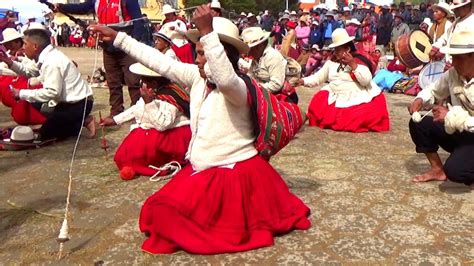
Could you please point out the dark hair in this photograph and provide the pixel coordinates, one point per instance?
(233, 55)
(38, 36)
(351, 45)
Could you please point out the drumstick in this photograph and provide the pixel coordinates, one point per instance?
(103, 142)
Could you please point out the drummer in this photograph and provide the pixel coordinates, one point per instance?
(451, 127)
(464, 20)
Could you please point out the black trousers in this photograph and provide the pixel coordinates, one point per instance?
(428, 136)
(65, 121)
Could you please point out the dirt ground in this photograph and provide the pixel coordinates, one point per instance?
(365, 209)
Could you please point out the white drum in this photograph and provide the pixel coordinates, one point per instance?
(430, 74)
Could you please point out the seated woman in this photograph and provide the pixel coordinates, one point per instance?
(164, 44)
(228, 199)
(351, 101)
(162, 132)
(22, 112)
(268, 66)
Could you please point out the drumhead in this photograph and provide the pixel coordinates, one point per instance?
(420, 45)
(430, 74)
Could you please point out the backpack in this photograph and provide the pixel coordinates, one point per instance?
(276, 122)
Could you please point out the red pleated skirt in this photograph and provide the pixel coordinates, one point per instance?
(221, 210)
(22, 112)
(371, 116)
(144, 147)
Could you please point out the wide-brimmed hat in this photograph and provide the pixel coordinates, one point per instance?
(167, 9)
(243, 14)
(249, 15)
(346, 9)
(315, 22)
(427, 21)
(36, 26)
(22, 134)
(142, 70)
(330, 13)
(353, 21)
(340, 37)
(254, 36)
(293, 13)
(227, 31)
(462, 42)
(216, 5)
(316, 47)
(163, 34)
(459, 3)
(285, 16)
(444, 7)
(304, 19)
(399, 15)
(10, 34)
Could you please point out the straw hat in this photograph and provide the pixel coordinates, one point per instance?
(353, 21)
(227, 31)
(304, 19)
(445, 8)
(216, 4)
(167, 9)
(254, 36)
(459, 3)
(340, 37)
(142, 70)
(10, 34)
(462, 42)
(22, 134)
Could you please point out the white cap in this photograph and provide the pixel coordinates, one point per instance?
(216, 4)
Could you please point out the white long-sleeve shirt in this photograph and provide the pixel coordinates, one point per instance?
(446, 86)
(343, 90)
(62, 81)
(221, 125)
(156, 114)
(460, 24)
(269, 70)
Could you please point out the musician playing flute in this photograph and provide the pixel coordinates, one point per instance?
(452, 126)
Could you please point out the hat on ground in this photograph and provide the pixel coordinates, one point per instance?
(459, 3)
(462, 42)
(316, 47)
(142, 70)
(227, 31)
(443, 6)
(10, 34)
(22, 134)
(167, 9)
(353, 21)
(254, 36)
(340, 37)
(216, 5)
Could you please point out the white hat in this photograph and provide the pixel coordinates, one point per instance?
(445, 7)
(216, 4)
(164, 34)
(346, 9)
(167, 9)
(315, 46)
(340, 37)
(227, 31)
(427, 21)
(462, 42)
(285, 16)
(142, 70)
(293, 13)
(243, 14)
(459, 3)
(36, 26)
(315, 22)
(10, 34)
(323, 6)
(286, 11)
(305, 11)
(353, 21)
(250, 14)
(22, 134)
(254, 36)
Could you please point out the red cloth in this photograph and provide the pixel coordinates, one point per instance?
(144, 147)
(184, 53)
(372, 116)
(22, 112)
(221, 210)
(393, 66)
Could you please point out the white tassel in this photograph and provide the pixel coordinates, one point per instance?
(64, 232)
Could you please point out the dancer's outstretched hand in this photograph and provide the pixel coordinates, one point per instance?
(202, 18)
(106, 34)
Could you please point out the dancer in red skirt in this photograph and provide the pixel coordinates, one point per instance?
(22, 112)
(228, 199)
(162, 132)
(351, 101)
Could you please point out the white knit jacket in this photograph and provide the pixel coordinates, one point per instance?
(222, 129)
